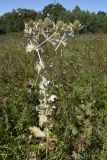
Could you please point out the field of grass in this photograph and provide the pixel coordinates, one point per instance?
(80, 120)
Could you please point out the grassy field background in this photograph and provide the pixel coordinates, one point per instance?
(80, 77)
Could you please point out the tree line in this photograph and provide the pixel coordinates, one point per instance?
(92, 22)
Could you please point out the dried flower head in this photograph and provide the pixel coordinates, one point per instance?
(52, 143)
(37, 132)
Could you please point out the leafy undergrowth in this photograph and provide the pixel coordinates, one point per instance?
(80, 77)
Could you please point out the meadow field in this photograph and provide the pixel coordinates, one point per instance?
(80, 119)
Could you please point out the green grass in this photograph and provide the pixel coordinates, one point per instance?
(80, 77)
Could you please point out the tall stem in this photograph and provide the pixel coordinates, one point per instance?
(44, 41)
(60, 42)
(40, 60)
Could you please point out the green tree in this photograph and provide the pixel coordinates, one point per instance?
(53, 11)
(2, 26)
(102, 20)
(14, 21)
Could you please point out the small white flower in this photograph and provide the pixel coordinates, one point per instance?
(45, 81)
(42, 120)
(39, 67)
(42, 101)
(44, 106)
(42, 64)
(30, 47)
(26, 28)
(51, 65)
(37, 132)
(53, 107)
(30, 31)
(52, 98)
(41, 86)
(42, 92)
(26, 31)
(29, 91)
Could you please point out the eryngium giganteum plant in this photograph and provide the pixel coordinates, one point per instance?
(40, 33)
